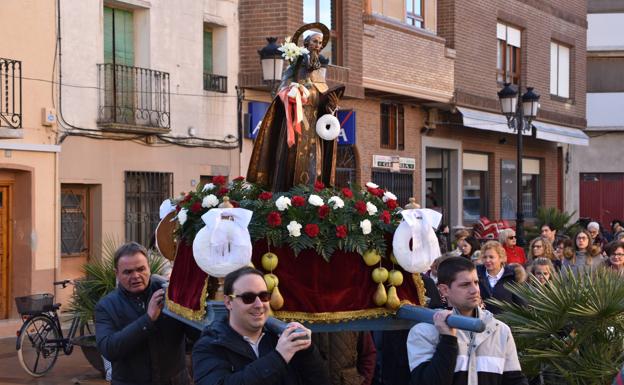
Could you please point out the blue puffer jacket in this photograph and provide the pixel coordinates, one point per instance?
(512, 273)
(141, 351)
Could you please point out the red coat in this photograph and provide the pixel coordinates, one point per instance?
(515, 254)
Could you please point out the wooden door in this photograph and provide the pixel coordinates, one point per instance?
(5, 248)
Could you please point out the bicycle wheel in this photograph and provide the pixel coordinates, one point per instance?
(36, 353)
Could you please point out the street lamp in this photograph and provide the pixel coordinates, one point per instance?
(272, 63)
(516, 112)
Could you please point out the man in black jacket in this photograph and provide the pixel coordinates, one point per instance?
(239, 350)
(144, 346)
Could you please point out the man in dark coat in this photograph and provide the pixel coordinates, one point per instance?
(240, 350)
(143, 345)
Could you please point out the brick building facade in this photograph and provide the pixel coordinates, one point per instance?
(422, 85)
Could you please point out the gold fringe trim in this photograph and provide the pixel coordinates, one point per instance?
(420, 285)
(193, 315)
(338, 316)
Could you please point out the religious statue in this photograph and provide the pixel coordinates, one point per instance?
(287, 151)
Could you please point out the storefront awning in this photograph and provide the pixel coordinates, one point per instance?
(561, 134)
(485, 121)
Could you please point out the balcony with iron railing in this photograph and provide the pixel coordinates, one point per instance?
(10, 94)
(133, 98)
(216, 83)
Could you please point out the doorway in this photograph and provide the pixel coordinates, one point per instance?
(5, 249)
(438, 181)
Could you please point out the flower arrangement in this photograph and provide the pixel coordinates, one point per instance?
(291, 51)
(306, 217)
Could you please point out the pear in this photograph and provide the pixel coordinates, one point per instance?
(395, 278)
(277, 301)
(393, 259)
(269, 261)
(380, 275)
(371, 257)
(380, 296)
(393, 302)
(270, 281)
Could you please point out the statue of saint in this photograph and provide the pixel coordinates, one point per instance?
(287, 151)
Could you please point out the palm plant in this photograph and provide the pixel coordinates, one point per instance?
(99, 279)
(572, 330)
(557, 218)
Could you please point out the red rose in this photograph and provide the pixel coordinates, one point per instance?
(239, 179)
(186, 198)
(392, 204)
(196, 207)
(265, 195)
(318, 185)
(323, 211)
(219, 179)
(347, 193)
(385, 217)
(274, 219)
(376, 191)
(178, 208)
(341, 231)
(312, 230)
(360, 206)
(298, 201)
(223, 191)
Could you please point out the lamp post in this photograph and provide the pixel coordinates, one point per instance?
(272, 63)
(516, 111)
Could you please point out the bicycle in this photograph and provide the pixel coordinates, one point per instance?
(40, 338)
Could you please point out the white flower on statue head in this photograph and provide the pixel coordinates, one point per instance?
(210, 201)
(182, 216)
(389, 196)
(371, 185)
(336, 202)
(282, 203)
(371, 208)
(294, 229)
(366, 226)
(208, 186)
(316, 200)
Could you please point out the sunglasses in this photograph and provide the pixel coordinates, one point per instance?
(511, 237)
(248, 297)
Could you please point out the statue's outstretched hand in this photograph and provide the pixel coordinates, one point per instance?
(332, 102)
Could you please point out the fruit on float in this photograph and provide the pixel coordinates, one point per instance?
(380, 275)
(393, 301)
(380, 296)
(269, 261)
(371, 257)
(393, 259)
(395, 278)
(277, 301)
(271, 281)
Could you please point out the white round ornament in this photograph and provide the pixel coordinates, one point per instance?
(328, 127)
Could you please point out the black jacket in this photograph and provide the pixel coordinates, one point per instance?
(512, 273)
(221, 356)
(141, 351)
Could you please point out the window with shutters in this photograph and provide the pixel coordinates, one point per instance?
(559, 70)
(118, 36)
(74, 221)
(392, 126)
(508, 54)
(145, 191)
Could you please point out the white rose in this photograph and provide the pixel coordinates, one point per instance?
(210, 201)
(366, 226)
(282, 203)
(208, 186)
(389, 196)
(371, 185)
(182, 216)
(294, 229)
(371, 208)
(337, 202)
(316, 200)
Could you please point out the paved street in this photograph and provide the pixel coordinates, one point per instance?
(73, 369)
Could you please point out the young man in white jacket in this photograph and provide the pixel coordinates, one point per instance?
(442, 355)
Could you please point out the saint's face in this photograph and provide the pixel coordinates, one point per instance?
(315, 43)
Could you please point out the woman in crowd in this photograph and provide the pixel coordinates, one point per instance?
(585, 255)
(515, 254)
(615, 260)
(596, 234)
(540, 247)
(494, 274)
(542, 269)
(468, 246)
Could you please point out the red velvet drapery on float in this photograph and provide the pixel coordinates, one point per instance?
(313, 289)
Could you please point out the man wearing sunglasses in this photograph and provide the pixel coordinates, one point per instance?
(239, 350)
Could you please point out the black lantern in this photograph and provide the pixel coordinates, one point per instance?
(508, 97)
(530, 104)
(272, 63)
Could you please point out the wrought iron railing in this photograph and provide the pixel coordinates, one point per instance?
(133, 95)
(10, 93)
(215, 83)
